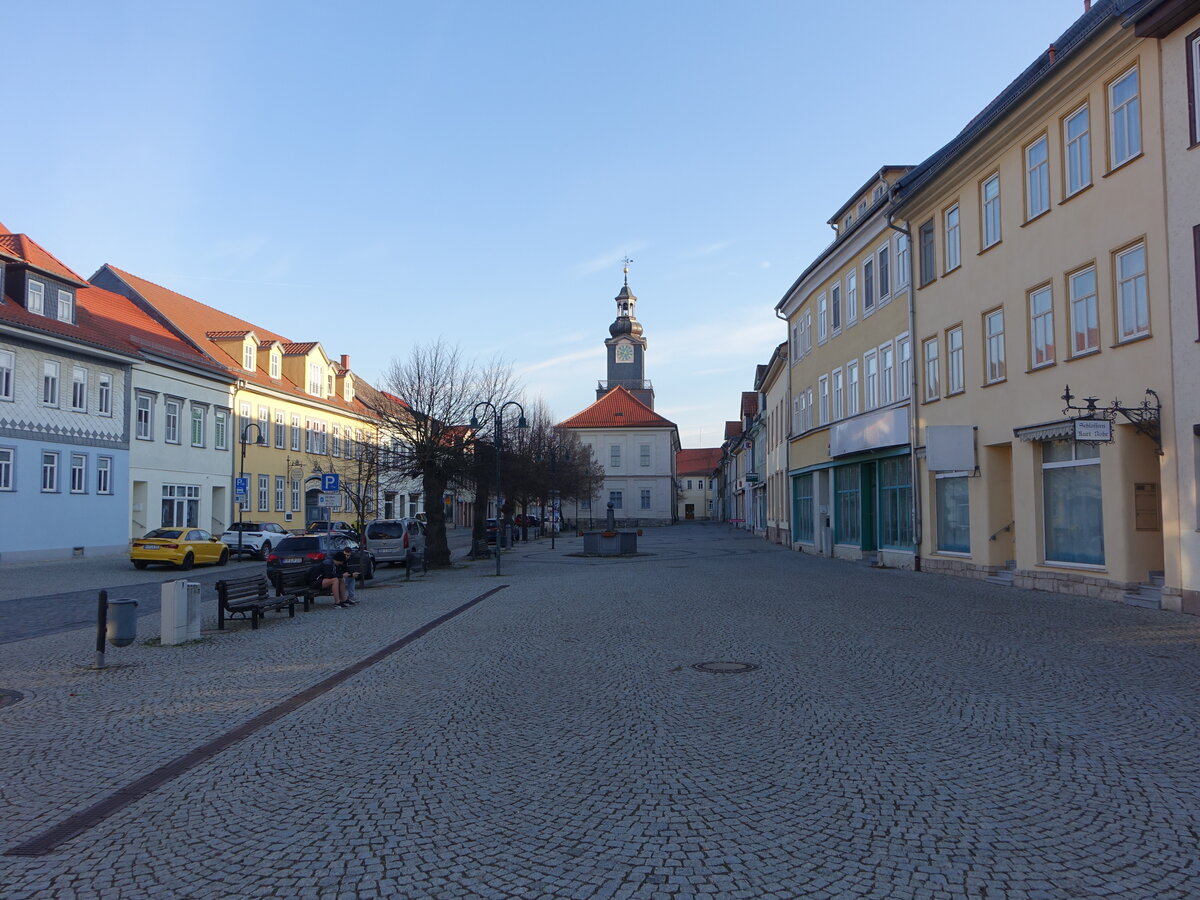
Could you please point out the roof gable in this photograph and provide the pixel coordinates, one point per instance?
(617, 409)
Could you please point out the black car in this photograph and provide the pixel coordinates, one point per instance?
(308, 550)
(326, 525)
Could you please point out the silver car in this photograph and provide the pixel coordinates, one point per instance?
(391, 540)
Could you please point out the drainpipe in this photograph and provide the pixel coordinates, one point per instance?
(787, 455)
(914, 472)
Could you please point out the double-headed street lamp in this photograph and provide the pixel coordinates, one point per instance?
(260, 441)
(498, 414)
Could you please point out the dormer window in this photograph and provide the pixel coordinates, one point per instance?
(348, 390)
(849, 221)
(275, 364)
(35, 297)
(878, 192)
(66, 307)
(314, 379)
(329, 384)
(248, 356)
(862, 208)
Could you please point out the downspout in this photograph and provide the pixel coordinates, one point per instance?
(787, 444)
(914, 471)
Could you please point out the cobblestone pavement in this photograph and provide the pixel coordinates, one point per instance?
(904, 736)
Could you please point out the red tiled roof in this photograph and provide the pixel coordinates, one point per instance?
(732, 429)
(617, 409)
(24, 248)
(698, 462)
(749, 403)
(86, 329)
(225, 335)
(292, 349)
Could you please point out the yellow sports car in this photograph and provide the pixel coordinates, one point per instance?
(182, 547)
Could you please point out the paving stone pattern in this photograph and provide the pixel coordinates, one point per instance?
(905, 736)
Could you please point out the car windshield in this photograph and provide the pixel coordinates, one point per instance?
(244, 526)
(164, 533)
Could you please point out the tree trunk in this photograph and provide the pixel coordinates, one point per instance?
(437, 549)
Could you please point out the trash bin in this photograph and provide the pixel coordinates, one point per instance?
(122, 622)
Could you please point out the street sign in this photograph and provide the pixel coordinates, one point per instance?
(241, 485)
(1099, 430)
(330, 481)
(329, 499)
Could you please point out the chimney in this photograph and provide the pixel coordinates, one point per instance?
(1087, 6)
(346, 361)
(1050, 52)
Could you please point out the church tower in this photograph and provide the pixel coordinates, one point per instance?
(627, 350)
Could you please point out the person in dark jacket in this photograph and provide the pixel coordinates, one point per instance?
(341, 564)
(325, 577)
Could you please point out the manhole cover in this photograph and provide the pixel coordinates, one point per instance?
(8, 698)
(724, 668)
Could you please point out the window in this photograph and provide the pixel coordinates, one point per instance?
(296, 497)
(248, 356)
(851, 297)
(835, 307)
(243, 419)
(990, 192)
(49, 383)
(315, 381)
(993, 335)
(66, 306)
(887, 374)
(585, 503)
(614, 497)
(868, 287)
(7, 454)
(904, 373)
(1193, 70)
(933, 388)
(180, 505)
(280, 492)
(103, 474)
(614, 456)
(264, 424)
(35, 297)
(221, 430)
(852, 388)
(847, 519)
(1041, 328)
(822, 319)
(870, 380)
(275, 363)
(689, 484)
(895, 501)
(171, 417)
(1124, 119)
(804, 526)
(902, 263)
(337, 441)
(296, 432)
(645, 498)
(8, 364)
(806, 332)
(955, 374)
(49, 472)
(264, 489)
(1037, 178)
(644, 454)
(104, 396)
(1085, 323)
(884, 269)
(953, 239)
(796, 414)
(1072, 508)
(78, 473)
(823, 395)
(144, 421)
(79, 389)
(1133, 310)
(926, 251)
(1078, 144)
(198, 414)
(839, 395)
(953, 513)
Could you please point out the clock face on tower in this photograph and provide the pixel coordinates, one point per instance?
(624, 353)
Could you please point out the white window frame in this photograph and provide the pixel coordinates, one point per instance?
(50, 374)
(221, 429)
(8, 370)
(887, 374)
(614, 456)
(952, 230)
(280, 493)
(104, 398)
(79, 389)
(66, 307)
(904, 363)
(822, 318)
(8, 458)
(835, 307)
(1037, 178)
(49, 472)
(644, 455)
(295, 485)
(883, 273)
(1124, 120)
(171, 410)
(617, 499)
(78, 473)
(647, 498)
(144, 417)
(104, 474)
(868, 268)
(839, 394)
(1132, 294)
(995, 364)
(1085, 310)
(316, 379)
(337, 441)
(903, 262)
(296, 432)
(264, 493)
(870, 380)
(1194, 88)
(956, 368)
(989, 204)
(852, 392)
(933, 370)
(1074, 462)
(823, 399)
(1042, 346)
(280, 429)
(1077, 151)
(851, 297)
(35, 297)
(198, 425)
(275, 364)
(248, 356)
(809, 413)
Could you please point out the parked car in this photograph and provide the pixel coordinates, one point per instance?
(391, 540)
(256, 538)
(324, 525)
(307, 550)
(182, 547)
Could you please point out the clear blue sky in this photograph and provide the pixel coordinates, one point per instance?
(373, 175)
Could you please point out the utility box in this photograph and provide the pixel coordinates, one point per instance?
(180, 619)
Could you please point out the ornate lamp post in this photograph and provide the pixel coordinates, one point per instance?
(498, 416)
(260, 441)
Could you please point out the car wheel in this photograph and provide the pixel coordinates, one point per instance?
(368, 569)
(224, 558)
(188, 561)
(264, 550)
(140, 563)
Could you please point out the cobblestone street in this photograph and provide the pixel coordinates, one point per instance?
(903, 736)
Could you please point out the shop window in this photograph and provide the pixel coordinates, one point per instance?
(848, 509)
(895, 503)
(953, 513)
(802, 503)
(1072, 508)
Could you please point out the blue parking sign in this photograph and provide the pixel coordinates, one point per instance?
(330, 481)
(241, 485)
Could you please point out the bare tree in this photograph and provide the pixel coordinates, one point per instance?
(426, 403)
(359, 477)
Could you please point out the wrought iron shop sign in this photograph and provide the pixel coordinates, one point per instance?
(1145, 418)
(1093, 430)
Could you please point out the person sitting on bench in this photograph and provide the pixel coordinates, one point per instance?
(324, 577)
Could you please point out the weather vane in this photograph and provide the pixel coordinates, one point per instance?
(626, 261)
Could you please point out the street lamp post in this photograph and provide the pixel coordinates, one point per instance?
(260, 441)
(554, 499)
(498, 414)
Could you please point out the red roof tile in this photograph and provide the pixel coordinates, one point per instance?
(698, 462)
(225, 335)
(749, 403)
(732, 429)
(293, 349)
(34, 254)
(617, 409)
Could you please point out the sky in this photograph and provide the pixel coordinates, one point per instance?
(379, 175)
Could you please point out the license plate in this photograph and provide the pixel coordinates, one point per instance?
(291, 560)
(149, 546)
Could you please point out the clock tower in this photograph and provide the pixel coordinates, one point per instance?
(626, 350)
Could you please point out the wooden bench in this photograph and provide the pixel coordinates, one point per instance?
(242, 596)
(295, 583)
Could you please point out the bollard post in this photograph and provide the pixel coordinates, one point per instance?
(408, 559)
(101, 626)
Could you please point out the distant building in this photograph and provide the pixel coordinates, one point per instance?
(697, 472)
